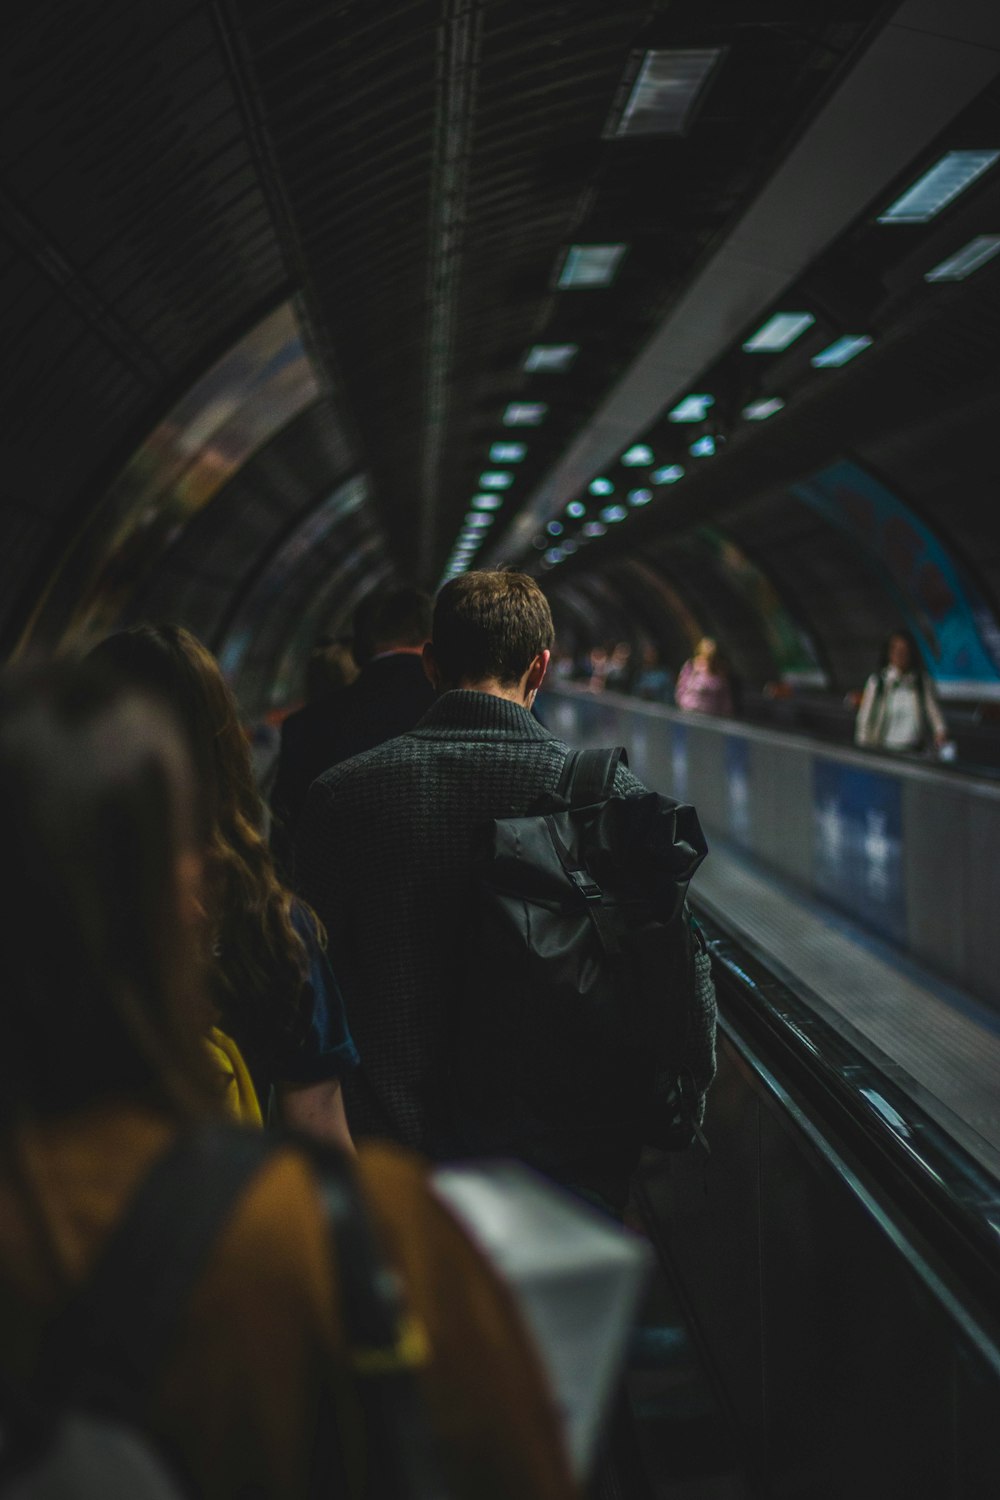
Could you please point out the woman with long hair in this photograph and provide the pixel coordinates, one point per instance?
(103, 1071)
(899, 708)
(268, 973)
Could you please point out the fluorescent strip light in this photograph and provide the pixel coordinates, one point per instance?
(665, 91)
(478, 521)
(576, 510)
(524, 413)
(486, 502)
(638, 456)
(594, 528)
(495, 479)
(932, 192)
(590, 265)
(669, 474)
(778, 332)
(975, 254)
(601, 487)
(841, 351)
(507, 453)
(613, 513)
(553, 358)
(691, 409)
(758, 410)
(704, 447)
(639, 497)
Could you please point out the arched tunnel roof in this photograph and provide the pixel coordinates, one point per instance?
(287, 287)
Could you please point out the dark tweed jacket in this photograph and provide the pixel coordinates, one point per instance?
(382, 855)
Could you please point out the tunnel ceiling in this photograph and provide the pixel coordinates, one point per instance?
(410, 177)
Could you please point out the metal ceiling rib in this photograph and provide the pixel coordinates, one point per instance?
(931, 59)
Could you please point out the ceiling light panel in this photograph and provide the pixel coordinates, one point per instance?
(487, 502)
(638, 456)
(601, 487)
(666, 90)
(495, 479)
(590, 265)
(691, 409)
(524, 413)
(758, 411)
(639, 497)
(507, 453)
(554, 358)
(932, 192)
(703, 447)
(576, 510)
(839, 352)
(778, 332)
(669, 474)
(477, 521)
(962, 264)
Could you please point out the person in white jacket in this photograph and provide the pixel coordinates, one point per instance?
(899, 708)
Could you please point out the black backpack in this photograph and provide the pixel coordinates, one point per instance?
(78, 1434)
(570, 1029)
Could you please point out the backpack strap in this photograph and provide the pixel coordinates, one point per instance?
(385, 1347)
(113, 1340)
(588, 776)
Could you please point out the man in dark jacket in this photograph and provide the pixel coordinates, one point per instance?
(385, 844)
(390, 695)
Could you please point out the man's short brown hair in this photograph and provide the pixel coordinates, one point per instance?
(490, 626)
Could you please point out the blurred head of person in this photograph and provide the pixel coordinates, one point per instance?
(707, 654)
(330, 667)
(258, 956)
(394, 618)
(900, 651)
(491, 630)
(100, 918)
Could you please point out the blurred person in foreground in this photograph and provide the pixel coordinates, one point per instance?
(388, 696)
(268, 973)
(101, 1067)
(899, 707)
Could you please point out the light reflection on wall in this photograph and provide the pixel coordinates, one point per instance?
(250, 394)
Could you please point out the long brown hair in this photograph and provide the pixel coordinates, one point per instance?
(101, 970)
(260, 958)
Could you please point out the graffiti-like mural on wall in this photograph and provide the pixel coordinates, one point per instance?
(249, 395)
(954, 625)
(792, 650)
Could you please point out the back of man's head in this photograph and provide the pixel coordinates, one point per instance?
(397, 617)
(489, 627)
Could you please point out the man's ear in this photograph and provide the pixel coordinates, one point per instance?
(430, 666)
(536, 672)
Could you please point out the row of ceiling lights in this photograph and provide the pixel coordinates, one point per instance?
(920, 203)
(659, 94)
(593, 266)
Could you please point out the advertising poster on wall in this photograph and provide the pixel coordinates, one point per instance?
(858, 845)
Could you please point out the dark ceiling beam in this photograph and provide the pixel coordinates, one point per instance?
(930, 61)
(458, 56)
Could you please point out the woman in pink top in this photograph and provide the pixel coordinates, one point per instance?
(703, 682)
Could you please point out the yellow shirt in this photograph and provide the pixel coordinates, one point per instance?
(239, 1102)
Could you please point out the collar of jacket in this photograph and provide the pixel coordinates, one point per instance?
(479, 715)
